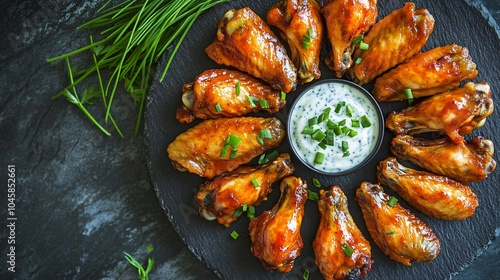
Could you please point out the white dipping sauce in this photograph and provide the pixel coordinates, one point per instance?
(312, 103)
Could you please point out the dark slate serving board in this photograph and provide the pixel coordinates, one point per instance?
(456, 22)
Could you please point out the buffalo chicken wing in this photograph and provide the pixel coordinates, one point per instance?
(275, 234)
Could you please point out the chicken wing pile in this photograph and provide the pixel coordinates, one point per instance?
(431, 136)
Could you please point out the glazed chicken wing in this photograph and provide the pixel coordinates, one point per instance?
(434, 71)
(392, 40)
(222, 196)
(336, 236)
(300, 23)
(246, 42)
(456, 113)
(397, 232)
(221, 145)
(346, 20)
(275, 234)
(217, 93)
(433, 195)
(465, 162)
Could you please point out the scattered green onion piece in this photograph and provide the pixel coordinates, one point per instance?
(306, 42)
(331, 124)
(330, 137)
(346, 154)
(314, 196)
(321, 118)
(343, 122)
(408, 95)
(251, 212)
(363, 46)
(365, 121)
(319, 158)
(308, 130)
(318, 135)
(358, 60)
(224, 150)
(352, 133)
(312, 121)
(322, 145)
(337, 130)
(392, 201)
(265, 134)
(347, 250)
(255, 183)
(234, 235)
(355, 123)
(305, 275)
(234, 153)
(234, 140)
(238, 88)
(283, 95)
(238, 212)
(345, 130)
(251, 101)
(345, 146)
(390, 232)
(357, 40)
(270, 157)
(349, 110)
(244, 207)
(218, 108)
(339, 106)
(260, 140)
(263, 104)
(316, 183)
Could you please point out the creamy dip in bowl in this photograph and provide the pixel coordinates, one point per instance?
(335, 127)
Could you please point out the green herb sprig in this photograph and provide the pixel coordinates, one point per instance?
(136, 33)
(143, 273)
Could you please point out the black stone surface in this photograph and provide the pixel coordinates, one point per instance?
(82, 199)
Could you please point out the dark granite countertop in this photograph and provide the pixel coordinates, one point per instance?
(82, 199)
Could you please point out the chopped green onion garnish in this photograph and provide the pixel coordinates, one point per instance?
(238, 212)
(255, 183)
(349, 110)
(251, 212)
(316, 183)
(347, 250)
(305, 275)
(358, 60)
(314, 196)
(244, 207)
(263, 104)
(390, 232)
(234, 153)
(260, 140)
(322, 145)
(355, 123)
(392, 201)
(337, 130)
(331, 124)
(265, 134)
(343, 122)
(238, 88)
(283, 95)
(352, 133)
(234, 235)
(363, 46)
(339, 106)
(345, 146)
(357, 40)
(251, 100)
(224, 150)
(318, 135)
(265, 159)
(234, 140)
(307, 38)
(330, 137)
(365, 121)
(218, 108)
(408, 95)
(312, 121)
(319, 158)
(308, 130)
(345, 130)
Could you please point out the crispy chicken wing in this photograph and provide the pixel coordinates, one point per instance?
(399, 233)
(217, 93)
(392, 40)
(465, 162)
(456, 113)
(300, 23)
(222, 196)
(220, 145)
(246, 42)
(275, 234)
(433, 195)
(337, 234)
(345, 20)
(434, 71)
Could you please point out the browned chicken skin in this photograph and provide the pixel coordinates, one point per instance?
(246, 42)
(198, 150)
(222, 196)
(296, 19)
(433, 195)
(275, 234)
(232, 90)
(465, 162)
(392, 40)
(399, 233)
(456, 113)
(434, 71)
(336, 230)
(345, 20)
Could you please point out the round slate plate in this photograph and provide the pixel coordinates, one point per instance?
(456, 22)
